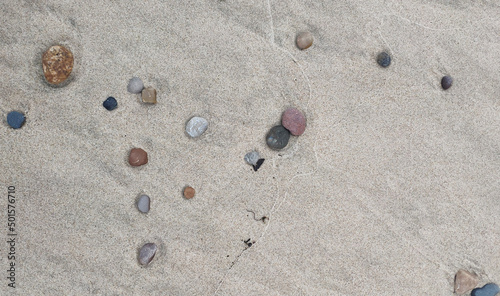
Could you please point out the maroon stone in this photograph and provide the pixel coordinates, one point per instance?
(294, 121)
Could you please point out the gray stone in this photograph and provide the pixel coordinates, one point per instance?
(196, 126)
(277, 138)
(147, 253)
(252, 157)
(143, 203)
(135, 85)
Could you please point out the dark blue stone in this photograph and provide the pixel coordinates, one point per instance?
(15, 119)
(384, 59)
(487, 290)
(110, 103)
(446, 82)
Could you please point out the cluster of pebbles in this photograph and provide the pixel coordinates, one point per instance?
(57, 64)
(293, 122)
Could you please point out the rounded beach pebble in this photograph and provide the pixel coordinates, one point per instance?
(147, 253)
(137, 157)
(135, 85)
(15, 119)
(143, 203)
(189, 192)
(465, 281)
(277, 138)
(57, 63)
(294, 121)
(196, 126)
(487, 290)
(304, 40)
(384, 59)
(252, 157)
(446, 82)
(110, 104)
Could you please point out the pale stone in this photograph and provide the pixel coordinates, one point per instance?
(196, 126)
(465, 281)
(149, 95)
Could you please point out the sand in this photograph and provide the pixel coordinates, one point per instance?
(393, 187)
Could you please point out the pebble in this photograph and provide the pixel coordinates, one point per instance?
(384, 59)
(149, 95)
(277, 137)
(196, 126)
(294, 121)
(487, 290)
(110, 104)
(252, 157)
(446, 82)
(135, 85)
(137, 157)
(465, 281)
(189, 192)
(57, 63)
(304, 40)
(147, 253)
(15, 119)
(143, 203)
(258, 164)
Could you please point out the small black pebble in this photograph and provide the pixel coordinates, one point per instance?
(384, 59)
(110, 104)
(446, 82)
(258, 164)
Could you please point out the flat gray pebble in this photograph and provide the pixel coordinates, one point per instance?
(196, 126)
(147, 253)
(143, 203)
(135, 85)
(252, 157)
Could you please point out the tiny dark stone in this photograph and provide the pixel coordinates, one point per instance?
(110, 104)
(446, 82)
(258, 164)
(384, 59)
(277, 137)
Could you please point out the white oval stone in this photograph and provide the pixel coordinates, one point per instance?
(196, 126)
(135, 85)
(143, 203)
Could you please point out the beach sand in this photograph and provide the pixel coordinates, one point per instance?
(393, 187)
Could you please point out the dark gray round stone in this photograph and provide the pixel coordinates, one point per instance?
(384, 59)
(277, 138)
(446, 82)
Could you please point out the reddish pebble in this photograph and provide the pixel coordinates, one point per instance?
(189, 192)
(137, 157)
(294, 121)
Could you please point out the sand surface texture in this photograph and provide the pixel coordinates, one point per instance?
(393, 187)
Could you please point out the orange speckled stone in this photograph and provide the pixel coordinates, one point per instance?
(57, 64)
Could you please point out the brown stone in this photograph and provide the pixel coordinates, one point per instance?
(189, 192)
(137, 157)
(294, 121)
(149, 95)
(57, 64)
(465, 281)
